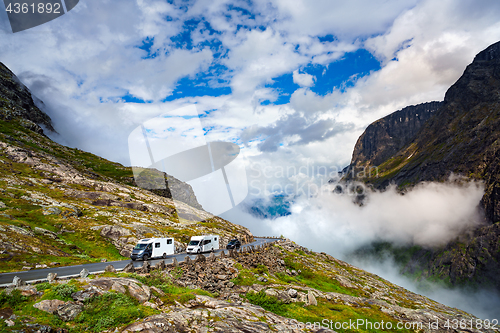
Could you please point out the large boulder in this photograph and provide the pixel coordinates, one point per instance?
(129, 268)
(311, 300)
(115, 232)
(83, 295)
(69, 311)
(136, 289)
(146, 267)
(49, 306)
(84, 273)
(110, 269)
(45, 232)
(51, 277)
(17, 282)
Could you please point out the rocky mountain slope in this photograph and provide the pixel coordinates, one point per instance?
(17, 102)
(386, 136)
(279, 288)
(461, 138)
(64, 206)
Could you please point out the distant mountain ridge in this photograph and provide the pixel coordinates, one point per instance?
(462, 137)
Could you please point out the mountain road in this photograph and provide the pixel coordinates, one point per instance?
(37, 275)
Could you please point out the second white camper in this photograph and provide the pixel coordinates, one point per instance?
(199, 244)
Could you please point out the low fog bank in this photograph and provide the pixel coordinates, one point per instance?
(483, 303)
(430, 214)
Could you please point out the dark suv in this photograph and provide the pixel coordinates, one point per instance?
(233, 244)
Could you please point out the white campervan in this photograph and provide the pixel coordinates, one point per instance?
(153, 248)
(199, 244)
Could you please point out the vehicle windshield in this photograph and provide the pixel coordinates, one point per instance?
(233, 242)
(194, 242)
(140, 246)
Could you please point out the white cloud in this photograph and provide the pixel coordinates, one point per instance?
(430, 214)
(91, 55)
(303, 80)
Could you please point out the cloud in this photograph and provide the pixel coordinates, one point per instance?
(344, 19)
(430, 214)
(294, 130)
(483, 303)
(303, 80)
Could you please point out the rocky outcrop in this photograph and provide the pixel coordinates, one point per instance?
(230, 309)
(136, 289)
(471, 260)
(115, 212)
(231, 317)
(49, 306)
(386, 136)
(16, 101)
(69, 311)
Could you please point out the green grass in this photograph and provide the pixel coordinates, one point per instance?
(15, 300)
(314, 279)
(100, 313)
(324, 310)
(108, 311)
(245, 278)
(172, 292)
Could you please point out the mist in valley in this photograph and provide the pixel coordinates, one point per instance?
(429, 215)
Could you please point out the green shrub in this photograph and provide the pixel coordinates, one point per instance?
(65, 290)
(43, 286)
(14, 300)
(261, 269)
(245, 278)
(270, 303)
(108, 311)
(157, 277)
(177, 272)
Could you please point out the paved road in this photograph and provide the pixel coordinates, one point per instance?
(73, 271)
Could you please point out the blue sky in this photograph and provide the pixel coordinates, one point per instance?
(292, 85)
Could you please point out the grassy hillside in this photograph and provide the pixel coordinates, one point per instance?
(63, 205)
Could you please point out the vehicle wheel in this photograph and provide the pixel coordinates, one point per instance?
(212, 250)
(164, 256)
(199, 251)
(132, 259)
(145, 257)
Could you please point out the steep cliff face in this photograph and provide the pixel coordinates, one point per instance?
(462, 137)
(385, 137)
(16, 101)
